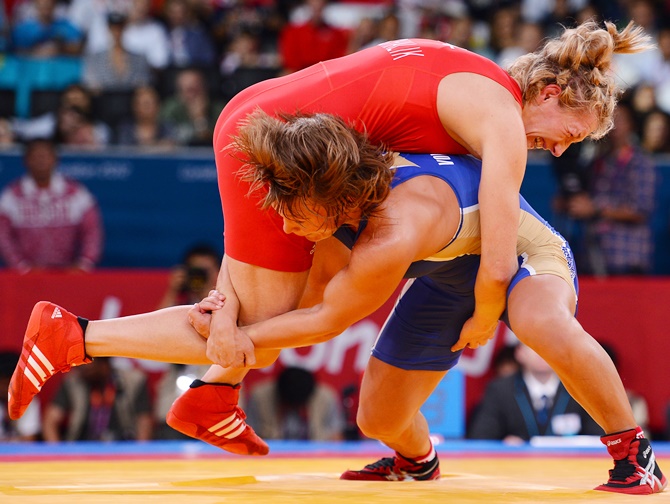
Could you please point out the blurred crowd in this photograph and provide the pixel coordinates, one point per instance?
(157, 72)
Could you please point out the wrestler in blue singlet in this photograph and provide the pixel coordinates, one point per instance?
(439, 297)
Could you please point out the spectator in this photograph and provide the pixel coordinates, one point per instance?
(75, 127)
(47, 35)
(295, 406)
(46, 220)
(142, 34)
(7, 136)
(4, 29)
(46, 125)
(262, 19)
(29, 426)
(621, 201)
(643, 102)
(23, 10)
(660, 71)
(146, 36)
(193, 278)
(504, 362)
(99, 403)
(656, 133)
(528, 38)
(632, 71)
(364, 35)
(463, 32)
(531, 402)
(546, 11)
(91, 18)
(504, 29)
(116, 68)
(244, 52)
(302, 45)
(572, 171)
(371, 32)
(145, 128)
(189, 42)
(191, 111)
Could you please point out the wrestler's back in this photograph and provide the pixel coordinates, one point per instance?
(389, 91)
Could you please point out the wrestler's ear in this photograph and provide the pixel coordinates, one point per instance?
(550, 91)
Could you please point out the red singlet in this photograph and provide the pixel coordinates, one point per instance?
(390, 91)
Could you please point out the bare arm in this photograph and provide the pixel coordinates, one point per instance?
(226, 345)
(355, 292)
(413, 226)
(330, 256)
(486, 119)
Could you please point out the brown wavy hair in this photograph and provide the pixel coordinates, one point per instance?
(315, 157)
(580, 62)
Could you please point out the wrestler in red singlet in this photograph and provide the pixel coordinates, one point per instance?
(389, 91)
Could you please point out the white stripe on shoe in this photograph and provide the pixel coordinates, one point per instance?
(36, 367)
(231, 427)
(237, 432)
(32, 379)
(226, 430)
(222, 423)
(43, 359)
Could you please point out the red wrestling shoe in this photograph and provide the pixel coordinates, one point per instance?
(210, 412)
(396, 468)
(635, 469)
(54, 342)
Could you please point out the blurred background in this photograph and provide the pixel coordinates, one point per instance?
(110, 107)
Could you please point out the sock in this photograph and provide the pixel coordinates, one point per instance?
(83, 323)
(199, 383)
(428, 456)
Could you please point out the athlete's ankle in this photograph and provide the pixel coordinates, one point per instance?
(200, 383)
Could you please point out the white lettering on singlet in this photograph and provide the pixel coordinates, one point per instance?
(402, 48)
(442, 159)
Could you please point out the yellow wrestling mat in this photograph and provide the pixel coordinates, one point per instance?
(191, 478)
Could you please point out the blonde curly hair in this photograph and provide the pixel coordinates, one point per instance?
(580, 62)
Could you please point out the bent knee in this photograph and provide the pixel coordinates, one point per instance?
(377, 426)
(556, 323)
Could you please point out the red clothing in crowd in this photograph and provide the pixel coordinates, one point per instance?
(306, 44)
(54, 227)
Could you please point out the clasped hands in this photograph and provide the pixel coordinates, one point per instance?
(227, 344)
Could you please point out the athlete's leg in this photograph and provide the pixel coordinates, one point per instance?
(209, 409)
(163, 335)
(166, 335)
(540, 310)
(262, 294)
(329, 257)
(390, 400)
(402, 373)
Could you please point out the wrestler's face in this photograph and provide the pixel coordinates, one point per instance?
(314, 224)
(552, 127)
